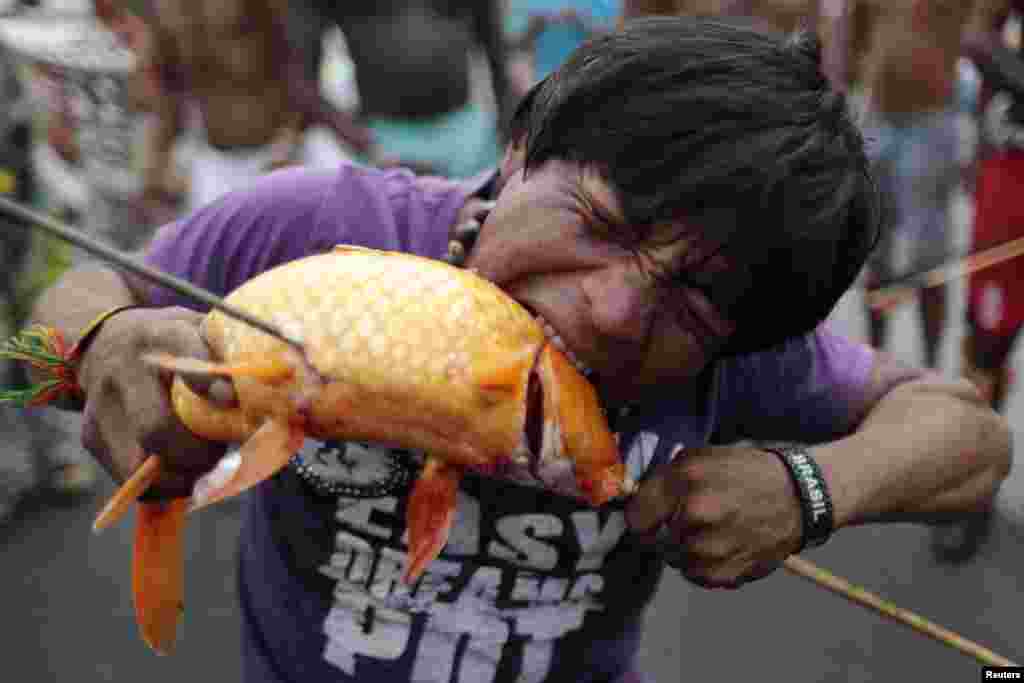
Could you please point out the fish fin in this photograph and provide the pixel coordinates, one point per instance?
(126, 495)
(158, 572)
(429, 514)
(261, 456)
(269, 368)
(212, 421)
(601, 484)
(507, 375)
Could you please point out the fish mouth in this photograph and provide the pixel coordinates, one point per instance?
(533, 427)
(538, 438)
(544, 461)
(540, 455)
(547, 457)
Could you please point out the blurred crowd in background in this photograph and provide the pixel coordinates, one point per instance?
(119, 115)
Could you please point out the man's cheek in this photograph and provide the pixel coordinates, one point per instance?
(672, 353)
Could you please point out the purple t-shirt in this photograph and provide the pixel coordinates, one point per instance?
(531, 586)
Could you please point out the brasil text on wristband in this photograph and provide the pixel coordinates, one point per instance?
(812, 490)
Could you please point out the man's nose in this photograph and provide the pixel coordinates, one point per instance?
(622, 302)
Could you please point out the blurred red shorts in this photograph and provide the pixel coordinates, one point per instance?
(996, 294)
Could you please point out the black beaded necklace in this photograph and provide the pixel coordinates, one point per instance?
(463, 239)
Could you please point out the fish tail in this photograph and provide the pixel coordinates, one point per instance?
(158, 572)
(429, 514)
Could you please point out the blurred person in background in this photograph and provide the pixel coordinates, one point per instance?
(17, 468)
(414, 73)
(786, 16)
(634, 9)
(40, 456)
(541, 34)
(995, 295)
(110, 119)
(78, 139)
(79, 61)
(905, 62)
(227, 75)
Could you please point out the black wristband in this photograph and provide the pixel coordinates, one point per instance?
(812, 490)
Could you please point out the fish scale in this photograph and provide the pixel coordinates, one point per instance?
(388, 327)
(364, 303)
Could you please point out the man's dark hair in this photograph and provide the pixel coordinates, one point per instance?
(735, 131)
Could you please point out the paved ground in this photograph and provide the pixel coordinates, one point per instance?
(67, 614)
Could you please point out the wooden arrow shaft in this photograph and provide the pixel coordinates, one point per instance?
(861, 596)
(26, 217)
(885, 299)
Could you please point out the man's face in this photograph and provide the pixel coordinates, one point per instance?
(628, 308)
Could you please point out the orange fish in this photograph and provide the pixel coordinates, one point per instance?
(399, 350)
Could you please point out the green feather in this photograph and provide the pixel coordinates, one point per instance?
(27, 397)
(38, 347)
(34, 345)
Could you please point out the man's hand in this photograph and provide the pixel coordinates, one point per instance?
(725, 515)
(128, 413)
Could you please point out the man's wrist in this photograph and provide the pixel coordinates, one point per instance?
(811, 489)
(69, 370)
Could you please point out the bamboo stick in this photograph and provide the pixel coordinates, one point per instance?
(887, 298)
(125, 497)
(862, 596)
(27, 217)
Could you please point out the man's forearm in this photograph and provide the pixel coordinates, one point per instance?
(78, 298)
(80, 295)
(930, 450)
